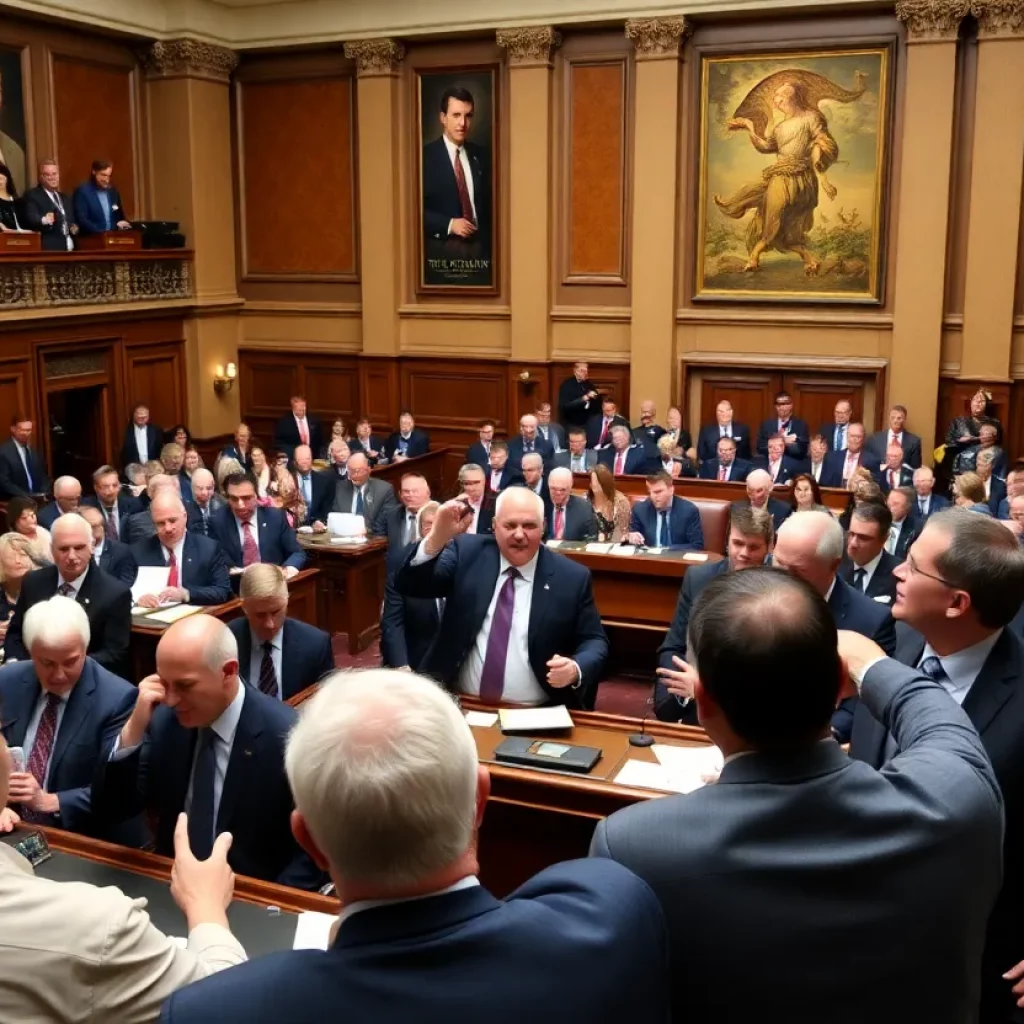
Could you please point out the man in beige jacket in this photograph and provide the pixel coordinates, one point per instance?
(75, 952)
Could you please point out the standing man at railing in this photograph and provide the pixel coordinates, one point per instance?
(97, 204)
(49, 211)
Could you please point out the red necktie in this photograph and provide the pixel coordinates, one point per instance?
(619, 460)
(303, 431)
(460, 184)
(559, 522)
(250, 549)
(111, 525)
(172, 569)
(604, 434)
(721, 472)
(892, 478)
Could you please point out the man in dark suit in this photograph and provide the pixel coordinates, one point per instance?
(532, 477)
(49, 211)
(206, 501)
(140, 526)
(367, 442)
(623, 457)
(995, 487)
(1014, 487)
(759, 495)
(97, 203)
(479, 452)
(725, 466)
(553, 433)
(408, 441)
(910, 443)
(196, 723)
(817, 462)
(526, 441)
(905, 527)
(63, 710)
(895, 473)
(724, 426)
(401, 752)
(278, 655)
(398, 521)
(142, 439)
(835, 433)
(107, 602)
(500, 474)
(810, 545)
(794, 431)
(579, 458)
(751, 536)
(599, 427)
(577, 397)
(22, 470)
(868, 566)
(927, 503)
(297, 427)
(546, 646)
(67, 495)
(958, 591)
(647, 432)
(840, 466)
(358, 494)
(248, 534)
(777, 464)
(568, 517)
(664, 520)
(793, 825)
(197, 570)
(317, 489)
(457, 181)
(111, 556)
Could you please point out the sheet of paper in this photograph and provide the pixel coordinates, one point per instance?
(175, 612)
(313, 930)
(534, 719)
(483, 719)
(599, 549)
(654, 551)
(620, 550)
(150, 580)
(554, 543)
(695, 556)
(687, 766)
(646, 775)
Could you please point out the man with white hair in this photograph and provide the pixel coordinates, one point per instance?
(107, 602)
(197, 568)
(927, 503)
(622, 456)
(419, 938)
(810, 545)
(317, 489)
(520, 623)
(995, 486)
(63, 710)
(759, 495)
(206, 500)
(569, 516)
(1014, 488)
(111, 556)
(533, 476)
(200, 740)
(67, 495)
(528, 441)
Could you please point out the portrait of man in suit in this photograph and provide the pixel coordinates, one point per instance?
(13, 140)
(457, 126)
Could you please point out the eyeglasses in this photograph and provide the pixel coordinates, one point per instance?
(916, 571)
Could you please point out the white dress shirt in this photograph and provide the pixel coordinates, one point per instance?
(725, 431)
(578, 463)
(473, 526)
(69, 242)
(256, 660)
(467, 171)
(963, 667)
(142, 443)
(179, 553)
(869, 570)
(304, 484)
(852, 462)
(496, 478)
(469, 882)
(33, 727)
(97, 551)
(816, 468)
(301, 423)
(23, 454)
(894, 535)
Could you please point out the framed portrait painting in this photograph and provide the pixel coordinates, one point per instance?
(457, 202)
(13, 120)
(793, 176)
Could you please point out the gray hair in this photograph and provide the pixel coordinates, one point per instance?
(469, 467)
(384, 771)
(64, 481)
(562, 473)
(425, 510)
(620, 429)
(201, 474)
(512, 493)
(534, 457)
(54, 622)
(987, 456)
(759, 478)
(822, 524)
(71, 521)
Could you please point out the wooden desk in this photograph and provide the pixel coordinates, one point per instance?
(430, 466)
(302, 604)
(351, 586)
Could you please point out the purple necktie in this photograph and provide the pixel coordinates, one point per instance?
(492, 677)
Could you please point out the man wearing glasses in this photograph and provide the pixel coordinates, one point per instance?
(962, 583)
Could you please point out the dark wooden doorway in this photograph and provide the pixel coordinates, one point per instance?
(77, 429)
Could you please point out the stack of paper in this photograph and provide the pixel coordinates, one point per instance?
(619, 549)
(151, 579)
(313, 930)
(695, 556)
(598, 549)
(173, 613)
(482, 719)
(535, 719)
(677, 770)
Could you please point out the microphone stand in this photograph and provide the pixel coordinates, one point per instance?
(643, 738)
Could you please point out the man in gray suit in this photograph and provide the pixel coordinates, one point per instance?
(357, 493)
(579, 458)
(804, 884)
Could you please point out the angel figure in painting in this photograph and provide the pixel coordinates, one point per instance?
(784, 200)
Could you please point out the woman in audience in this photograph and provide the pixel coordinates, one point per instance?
(179, 434)
(21, 518)
(611, 507)
(807, 495)
(16, 563)
(225, 467)
(193, 461)
(261, 470)
(282, 493)
(969, 493)
(965, 431)
(12, 217)
(338, 433)
(863, 488)
(242, 447)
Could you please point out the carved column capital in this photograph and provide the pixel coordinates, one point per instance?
(375, 57)
(657, 38)
(932, 21)
(999, 19)
(529, 47)
(190, 58)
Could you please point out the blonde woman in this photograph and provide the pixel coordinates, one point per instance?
(225, 467)
(16, 562)
(969, 493)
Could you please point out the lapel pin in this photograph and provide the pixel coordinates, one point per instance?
(85, 600)
(248, 753)
(547, 586)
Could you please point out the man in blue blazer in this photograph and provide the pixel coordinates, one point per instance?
(195, 722)
(724, 426)
(927, 503)
(408, 626)
(267, 527)
(408, 441)
(113, 557)
(622, 457)
(894, 473)
(67, 497)
(568, 516)
(197, 568)
(725, 466)
(142, 439)
(22, 469)
(777, 464)
(528, 440)
(278, 655)
(98, 205)
(665, 520)
(419, 938)
(479, 452)
(793, 430)
(550, 628)
(839, 466)
(64, 710)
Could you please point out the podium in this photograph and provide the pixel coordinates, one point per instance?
(16, 243)
(110, 241)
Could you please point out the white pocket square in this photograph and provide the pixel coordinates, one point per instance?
(883, 598)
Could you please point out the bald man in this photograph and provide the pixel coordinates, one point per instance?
(197, 568)
(67, 496)
(759, 495)
(107, 601)
(199, 737)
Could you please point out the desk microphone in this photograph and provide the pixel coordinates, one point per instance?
(642, 738)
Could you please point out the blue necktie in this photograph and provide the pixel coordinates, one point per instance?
(662, 529)
(28, 472)
(200, 815)
(932, 668)
(305, 489)
(359, 502)
(839, 439)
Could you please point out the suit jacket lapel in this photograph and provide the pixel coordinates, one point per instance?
(75, 714)
(188, 556)
(995, 684)
(229, 539)
(244, 754)
(290, 656)
(245, 654)
(541, 602)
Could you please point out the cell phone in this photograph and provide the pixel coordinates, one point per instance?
(17, 758)
(467, 509)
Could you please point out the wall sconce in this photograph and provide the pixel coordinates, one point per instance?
(224, 378)
(524, 376)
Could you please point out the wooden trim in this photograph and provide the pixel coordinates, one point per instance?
(448, 311)
(265, 307)
(745, 317)
(591, 314)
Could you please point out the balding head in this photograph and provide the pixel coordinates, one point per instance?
(810, 545)
(560, 485)
(303, 458)
(169, 517)
(94, 517)
(518, 524)
(161, 480)
(203, 486)
(759, 487)
(67, 492)
(197, 659)
(358, 468)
